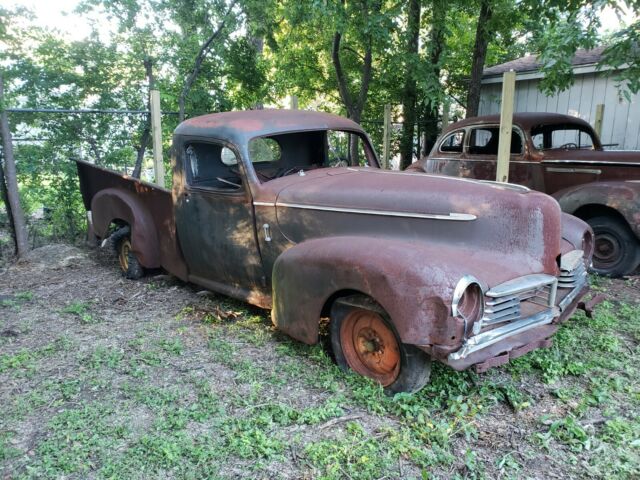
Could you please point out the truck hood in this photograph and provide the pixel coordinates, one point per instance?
(479, 217)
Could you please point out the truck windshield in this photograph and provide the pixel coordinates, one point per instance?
(291, 153)
(568, 137)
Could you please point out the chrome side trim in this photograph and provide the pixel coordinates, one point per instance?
(595, 162)
(483, 340)
(264, 204)
(458, 217)
(574, 170)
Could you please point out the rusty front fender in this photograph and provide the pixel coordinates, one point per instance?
(414, 285)
(621, 196)
(576, 235)
(113, 204)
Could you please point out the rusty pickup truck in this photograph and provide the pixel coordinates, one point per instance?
(563, 157)
(288, 210)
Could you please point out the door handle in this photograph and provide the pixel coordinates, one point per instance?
(267, 232)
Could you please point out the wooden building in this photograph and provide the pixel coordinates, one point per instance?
(592, 87)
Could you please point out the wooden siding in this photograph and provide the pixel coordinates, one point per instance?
(621, 122)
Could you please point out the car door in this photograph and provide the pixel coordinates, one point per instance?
(214, 217)
(480, 158)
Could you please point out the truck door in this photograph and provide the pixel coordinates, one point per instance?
(214, 217)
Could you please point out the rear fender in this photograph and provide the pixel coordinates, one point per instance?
(414, 286)
(621, 196)
(113, 204)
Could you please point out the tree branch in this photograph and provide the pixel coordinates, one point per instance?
(204, 50)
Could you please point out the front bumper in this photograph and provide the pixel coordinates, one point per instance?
(498, 345)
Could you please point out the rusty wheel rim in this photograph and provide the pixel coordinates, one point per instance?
(370, 347)
(607, 250)
(123, 255)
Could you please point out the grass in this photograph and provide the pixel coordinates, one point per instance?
(249, 401)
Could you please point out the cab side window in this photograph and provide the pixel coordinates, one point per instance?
(211, 166)
(484, 141)
(453, 142)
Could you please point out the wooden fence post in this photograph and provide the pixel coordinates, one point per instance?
(386, 137)
(597, 124)
(156, 131)
(506, 124)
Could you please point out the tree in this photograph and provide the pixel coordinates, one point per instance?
(197, 63)
(432, 86)
(410, 93)
(14, 208)
(483, 33)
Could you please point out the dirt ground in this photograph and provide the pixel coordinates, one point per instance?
(103, 377)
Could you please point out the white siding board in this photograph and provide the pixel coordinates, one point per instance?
(575, 91)
(620, 117)
(587, 106)
(563, 102)
(610, 104)
(632, 133)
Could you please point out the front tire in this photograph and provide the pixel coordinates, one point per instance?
(616, 250)
(364, 340)
(129, 264)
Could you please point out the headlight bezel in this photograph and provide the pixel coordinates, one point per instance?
(468, 300)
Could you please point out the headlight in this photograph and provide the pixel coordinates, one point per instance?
(468, 300)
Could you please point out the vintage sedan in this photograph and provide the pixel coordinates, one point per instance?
(406, 267)
(562, 156)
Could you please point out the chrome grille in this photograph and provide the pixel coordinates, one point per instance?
(520, 297)
(571, 278)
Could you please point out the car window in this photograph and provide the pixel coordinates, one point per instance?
(545, 137)
(453, 142)
(484, 141)
(211, 166)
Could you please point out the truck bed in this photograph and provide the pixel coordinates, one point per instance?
(155, 200)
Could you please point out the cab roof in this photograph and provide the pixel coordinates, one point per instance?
(241, 126)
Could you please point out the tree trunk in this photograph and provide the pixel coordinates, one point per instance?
(5, 198)
(354, 107)
(409, 94)
(258, 43)
(19, 225)
(436, 46)
(479, 56)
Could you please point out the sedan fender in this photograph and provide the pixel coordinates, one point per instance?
(113, 204)
(622, 196)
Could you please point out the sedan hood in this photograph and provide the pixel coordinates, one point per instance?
(475, 216)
